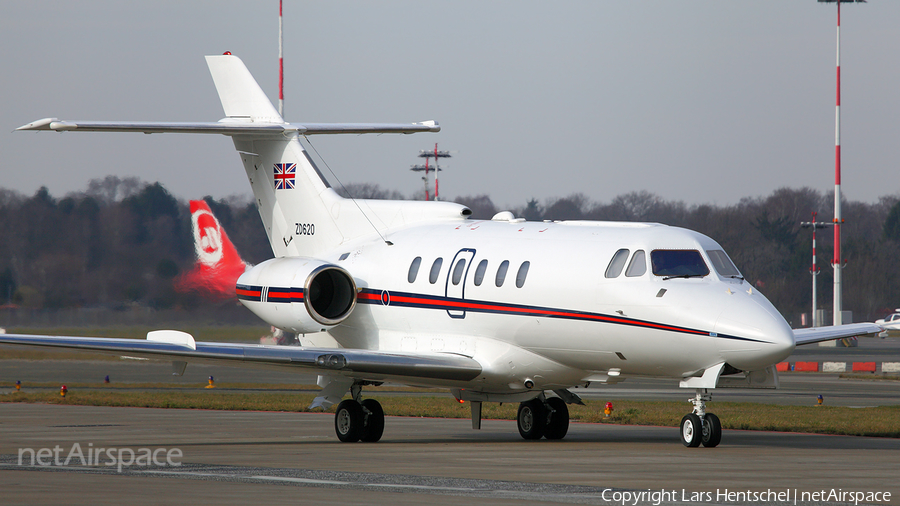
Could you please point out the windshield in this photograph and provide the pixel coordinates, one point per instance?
(724, 266)
(678, 263)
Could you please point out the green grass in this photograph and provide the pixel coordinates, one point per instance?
(879, 421)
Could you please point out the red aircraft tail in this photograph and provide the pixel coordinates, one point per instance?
(218, 263)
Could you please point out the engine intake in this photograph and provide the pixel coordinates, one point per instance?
(298, 294)
(330, 294)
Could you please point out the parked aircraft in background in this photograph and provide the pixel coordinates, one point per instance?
(891, 322)
(218, 265)
(494, 311)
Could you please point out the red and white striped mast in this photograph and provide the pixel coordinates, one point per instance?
(280, 62)
(427, 155)
(814, 270)
(837, 262)
(436, 172)
(426, 180)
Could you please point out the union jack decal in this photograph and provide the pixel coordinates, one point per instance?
(284, 176)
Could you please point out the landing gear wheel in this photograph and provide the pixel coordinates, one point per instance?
(712, 431)
(348, 421)
(558, 425)
(373, 426)
(531, 419)
(691, 430)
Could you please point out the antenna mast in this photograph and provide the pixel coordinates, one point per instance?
(427, 155)
(280, 62)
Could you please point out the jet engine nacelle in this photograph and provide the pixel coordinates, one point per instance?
(298, 294)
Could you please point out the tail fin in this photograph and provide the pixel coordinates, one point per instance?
(293, 198)
(302, 215)
(218, 263)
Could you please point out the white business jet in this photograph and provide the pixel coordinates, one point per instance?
(494, 311)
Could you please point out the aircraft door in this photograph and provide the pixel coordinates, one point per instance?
(455, 287)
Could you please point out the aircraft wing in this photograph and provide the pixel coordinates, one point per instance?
(230, 127)
(353, 363)
(819, 334)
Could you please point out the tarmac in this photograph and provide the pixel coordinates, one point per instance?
(262, 457)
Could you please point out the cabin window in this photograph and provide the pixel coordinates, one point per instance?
(724, 266)
(617, 263)
(678, 263)
(638, 265)
(414, 269)
(435, 270)
(479, 272)
(501, 273)
(458, 271)
(520, 276)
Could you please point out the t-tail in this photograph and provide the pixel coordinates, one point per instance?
(302, 214)
(218, 265)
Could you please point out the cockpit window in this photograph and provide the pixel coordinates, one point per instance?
(617, 263)
(678, 263)
(723, 265)
(638, 265)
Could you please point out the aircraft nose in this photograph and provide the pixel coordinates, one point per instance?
(763, 336)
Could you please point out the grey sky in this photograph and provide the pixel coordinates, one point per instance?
(705, 101)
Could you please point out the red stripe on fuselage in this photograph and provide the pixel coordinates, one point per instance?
(461, 304)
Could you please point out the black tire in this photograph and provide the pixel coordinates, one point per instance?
(712, 431)
(691, 430)
(348, 421)
(531, 419)
(373, 425)
(558, 425)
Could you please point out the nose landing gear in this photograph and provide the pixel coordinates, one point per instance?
(700, 427)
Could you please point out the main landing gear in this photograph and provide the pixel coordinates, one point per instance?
(357, 420)
(700, 427)
(543, 417)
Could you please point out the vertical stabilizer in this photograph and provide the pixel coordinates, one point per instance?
(302, 215)
(218, 263)
(241, 96)
(292, 197)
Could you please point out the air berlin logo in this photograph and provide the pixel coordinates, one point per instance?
(207, 237)
(284, 176)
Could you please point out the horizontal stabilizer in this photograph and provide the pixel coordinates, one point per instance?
(819, 334)
(230, 127)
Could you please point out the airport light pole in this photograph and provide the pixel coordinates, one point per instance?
(814, 270)
(837, 262)
(426, 154)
